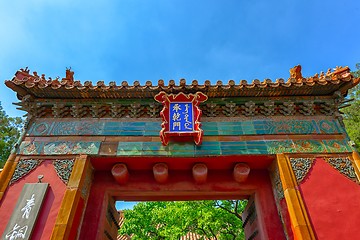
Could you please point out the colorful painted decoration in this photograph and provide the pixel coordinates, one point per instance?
(344, 166)
(24, 167)
(181, 116)
(63, 168)
(301, 167)
(277, 185)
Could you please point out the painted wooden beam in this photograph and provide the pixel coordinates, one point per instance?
(199, 172)
(241, 172)
(161, 173)
(120, 173)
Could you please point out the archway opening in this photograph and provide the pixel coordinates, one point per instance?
(201, 219)
(101, 217)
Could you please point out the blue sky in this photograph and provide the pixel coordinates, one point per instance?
(121, 205)
(170, 39)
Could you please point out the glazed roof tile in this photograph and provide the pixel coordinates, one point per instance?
(25, 83)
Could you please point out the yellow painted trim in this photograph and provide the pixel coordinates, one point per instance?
(66, 214)
(69, 204)
(300, 223)
(356, 157)
(6, 174)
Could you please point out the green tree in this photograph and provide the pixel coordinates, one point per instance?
(352, 113)
(172, 220)
(9, 134)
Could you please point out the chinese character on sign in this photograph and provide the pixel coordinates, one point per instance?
(181, 117)
(17, 232)
(29, 204)
(22, 221)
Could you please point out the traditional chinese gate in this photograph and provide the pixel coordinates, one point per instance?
(280, 144)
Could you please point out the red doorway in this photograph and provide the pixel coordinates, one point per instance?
(181, 186)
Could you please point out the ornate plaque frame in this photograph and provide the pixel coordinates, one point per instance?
(194, 100)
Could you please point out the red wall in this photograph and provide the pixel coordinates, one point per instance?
(286, 218)
(267, 211)
(51, 204)
(332, 201)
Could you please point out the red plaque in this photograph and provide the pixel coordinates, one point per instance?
(181, 116)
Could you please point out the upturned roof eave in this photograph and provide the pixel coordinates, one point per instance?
(49, 93)
(38, 87)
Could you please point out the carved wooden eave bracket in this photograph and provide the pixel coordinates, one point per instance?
(215, 107)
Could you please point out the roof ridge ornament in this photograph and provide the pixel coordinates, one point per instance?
(295, 73)
(69, 76)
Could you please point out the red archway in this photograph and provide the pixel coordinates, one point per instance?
(220, 184)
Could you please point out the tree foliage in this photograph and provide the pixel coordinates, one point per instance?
(9, 133)
(352, 113)
(172, 220)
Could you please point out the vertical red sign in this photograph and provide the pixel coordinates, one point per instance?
(181, 116)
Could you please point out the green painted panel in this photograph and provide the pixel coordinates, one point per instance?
(188, 149)
(274, 147)
(130, 148)
(30, 148)
(56, 148)
(311, 146)
(337, 146)
(253, 127)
